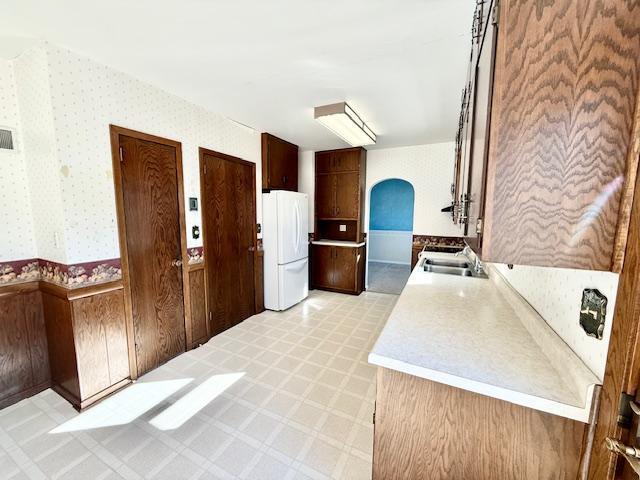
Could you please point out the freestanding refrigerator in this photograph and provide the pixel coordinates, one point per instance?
(285, 239)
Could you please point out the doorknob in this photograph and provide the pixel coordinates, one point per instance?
(630, 454)
(176, 263)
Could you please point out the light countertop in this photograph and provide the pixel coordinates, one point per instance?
(338, 243)
(480, 335)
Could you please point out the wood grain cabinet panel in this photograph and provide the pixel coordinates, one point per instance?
(24, 361)
(322, 266)
(565, 85)
(345, 268)
(347, 197)
(427, 430)
(326, 196)
(87, 337)
(339, 269)
(199, 330)
(279, 164)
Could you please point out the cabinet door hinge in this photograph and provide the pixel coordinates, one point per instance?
(479, 225)
(495, 15)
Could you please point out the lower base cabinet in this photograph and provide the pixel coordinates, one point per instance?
(427, 430)
(24, 361)
(338, 269)
(87, 337)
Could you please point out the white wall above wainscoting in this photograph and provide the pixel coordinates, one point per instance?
(556, 293)
(390, 246)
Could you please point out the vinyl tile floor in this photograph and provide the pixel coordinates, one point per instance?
(387, 277)
(281, 396)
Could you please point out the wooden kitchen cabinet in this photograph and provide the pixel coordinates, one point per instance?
(428, 430)
(87, 338)
(339, 269)
(279, 164)
(547, 162)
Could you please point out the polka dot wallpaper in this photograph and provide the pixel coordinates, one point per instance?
(16, 234)
(556, 294)
(68, 103)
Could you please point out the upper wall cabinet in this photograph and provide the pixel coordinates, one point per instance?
(546, 163)
(279, 164)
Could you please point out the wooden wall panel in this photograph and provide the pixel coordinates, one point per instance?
(101, 343)
(426, 430)
(199, 330)
(24, 360)
(566, 79)
(259, 276)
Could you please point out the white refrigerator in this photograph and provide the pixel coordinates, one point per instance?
(285, 239)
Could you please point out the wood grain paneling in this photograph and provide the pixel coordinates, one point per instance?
(426, 430)
(345, 268)
(229, 234)
(565, 90)
(259, 275)
(279, 164)
(199, 328)
(24, 361)
(153, 237)
(100, 340)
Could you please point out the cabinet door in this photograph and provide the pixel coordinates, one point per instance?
(282, 164)
(347, 195)
(346, 161)
(324, 162)
(345, 267)
(322, 266)
(480, 137)
(326, 195)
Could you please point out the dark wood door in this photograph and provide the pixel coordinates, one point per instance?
(152, 217)
(322, 266)
(347, 195)
(344, 270)
(326, 195)
(229, 215)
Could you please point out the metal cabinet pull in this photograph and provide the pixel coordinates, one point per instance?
(630, 454)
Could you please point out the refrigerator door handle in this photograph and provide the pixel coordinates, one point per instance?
(297, 226)
(295, 268)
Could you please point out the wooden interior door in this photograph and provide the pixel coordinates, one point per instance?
(229, 219)
(152, 196)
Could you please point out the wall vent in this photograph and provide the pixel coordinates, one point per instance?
(6, 139)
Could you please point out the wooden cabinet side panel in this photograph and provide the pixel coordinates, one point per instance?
(38, 348)
(198, 306)
(428, 430)
(62, 351)
(565, 88)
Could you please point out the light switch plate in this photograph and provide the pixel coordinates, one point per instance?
(343, 228)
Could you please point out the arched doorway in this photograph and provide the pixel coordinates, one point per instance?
(390, 235)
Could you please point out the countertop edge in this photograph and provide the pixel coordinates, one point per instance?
(572, 412)
(338, 243)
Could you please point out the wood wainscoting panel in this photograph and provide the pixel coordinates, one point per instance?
(62, 349)
(259, 278)
(24, 361)
(566, 79)
(427, 430)
(101, 341)
(198, 294)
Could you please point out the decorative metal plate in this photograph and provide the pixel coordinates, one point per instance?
(593, 312)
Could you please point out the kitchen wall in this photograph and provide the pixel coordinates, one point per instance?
(556, 294)
(429, 169)
(16, 234)
(67, 102)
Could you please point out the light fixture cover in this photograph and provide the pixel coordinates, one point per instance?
(342, 120)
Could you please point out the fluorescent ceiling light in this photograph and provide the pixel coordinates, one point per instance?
(344, 122)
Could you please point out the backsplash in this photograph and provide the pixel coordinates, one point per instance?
(556, 294)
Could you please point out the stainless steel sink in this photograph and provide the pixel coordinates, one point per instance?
(454, 262)
(448, 270)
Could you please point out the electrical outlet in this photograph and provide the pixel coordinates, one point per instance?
(343, 228)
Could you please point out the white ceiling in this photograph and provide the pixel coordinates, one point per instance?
(266, 63)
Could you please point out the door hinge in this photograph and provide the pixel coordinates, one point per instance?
(495, 15)
(627, 408)
(121, 150)
(479, 225)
